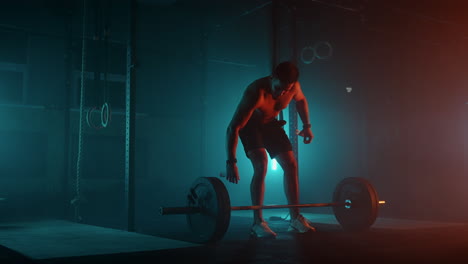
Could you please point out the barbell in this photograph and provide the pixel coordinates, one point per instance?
(208, 211)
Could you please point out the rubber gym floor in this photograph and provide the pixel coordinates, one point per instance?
(168, 240)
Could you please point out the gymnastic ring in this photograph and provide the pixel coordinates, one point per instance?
(326, 44)
(105, 115)
(304, 50)
(88, 118)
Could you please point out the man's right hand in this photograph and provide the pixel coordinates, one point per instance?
(232, 173)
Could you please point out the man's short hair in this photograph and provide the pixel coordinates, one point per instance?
(286, 72)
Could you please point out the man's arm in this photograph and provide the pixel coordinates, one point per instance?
(303, 110)
(249, 102)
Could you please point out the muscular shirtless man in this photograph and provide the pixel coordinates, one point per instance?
(255, 122)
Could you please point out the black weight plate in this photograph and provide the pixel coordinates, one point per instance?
(212, 222)
(364, 207)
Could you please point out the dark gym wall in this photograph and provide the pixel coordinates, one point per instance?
(169, 70)
(32, 81)
(416, 112)
(404, 124)
(424, 130)
(41, 58)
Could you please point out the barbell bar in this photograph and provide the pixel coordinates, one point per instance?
(196, 210)
(355, 204)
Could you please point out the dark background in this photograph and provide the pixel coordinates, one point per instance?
(403, 126)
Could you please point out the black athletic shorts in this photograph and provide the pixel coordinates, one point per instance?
(270, 136)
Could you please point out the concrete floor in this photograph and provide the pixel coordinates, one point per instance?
(388, 241)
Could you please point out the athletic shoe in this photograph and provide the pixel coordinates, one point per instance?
(301, 225)
(262, 230)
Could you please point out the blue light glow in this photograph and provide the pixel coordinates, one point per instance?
(274, 164)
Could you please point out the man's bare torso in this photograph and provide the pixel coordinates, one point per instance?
(268, 106)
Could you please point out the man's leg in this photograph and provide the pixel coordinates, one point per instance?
(257, 190)
(259, 160)
(291, 185)
(291, 188)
